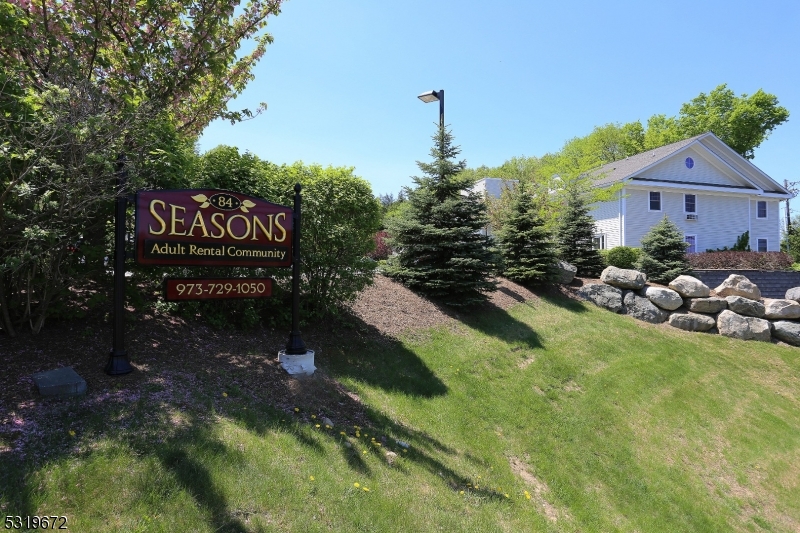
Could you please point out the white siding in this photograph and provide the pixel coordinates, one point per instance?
(720, 219)
(765, 228)
(606, 216)
(704, 171)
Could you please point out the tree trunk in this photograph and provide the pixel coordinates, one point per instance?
(5, 318)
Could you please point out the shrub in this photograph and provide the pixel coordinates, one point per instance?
(740, 260)
(622, 256)
(382, 249)
(574, 237)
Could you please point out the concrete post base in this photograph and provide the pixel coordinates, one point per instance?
(297, 365)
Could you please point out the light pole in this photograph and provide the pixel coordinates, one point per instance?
(433, 96)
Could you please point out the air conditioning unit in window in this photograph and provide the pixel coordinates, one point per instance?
(691, 217)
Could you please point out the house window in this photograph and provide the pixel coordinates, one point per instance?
(690, 203)
(761, 209)
(691, 240)
(762, 245)
(655, 201)
(599, 242)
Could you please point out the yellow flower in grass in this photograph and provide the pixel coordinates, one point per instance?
(313, 416)
(296, 409)
(311, 478)
(461, 492)
(366, 489)
(71, 433)
(224, 394)
(356, 484)
(316, 425)
(527, 495)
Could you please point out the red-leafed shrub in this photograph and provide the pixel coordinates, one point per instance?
(382, 250)
(740, 260)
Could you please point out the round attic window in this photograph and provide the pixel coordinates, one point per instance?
(689, 162)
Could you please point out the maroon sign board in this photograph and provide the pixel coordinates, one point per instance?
(210, 227)
(176, 289)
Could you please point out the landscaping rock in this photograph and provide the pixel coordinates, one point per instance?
(711, 305)
(736, 326)
(564, 272)
(777, 309)
(664, 298)
(623, 278)
(788, 332)
(738, 285)
(793, 294)
(643, 309)
(743, 306)
(603, 295)
(689, 287)
(691, 321)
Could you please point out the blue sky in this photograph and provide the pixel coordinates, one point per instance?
(520, 77)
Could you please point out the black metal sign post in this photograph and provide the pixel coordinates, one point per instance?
(296, 346)
(118, 358)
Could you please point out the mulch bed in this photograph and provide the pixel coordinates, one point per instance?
(161, 346)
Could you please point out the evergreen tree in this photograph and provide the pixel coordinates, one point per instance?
(574, 236)
(663, 255)
(441, 251)
(524, 243)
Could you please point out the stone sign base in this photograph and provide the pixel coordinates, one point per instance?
(60, 382)
(297, 365)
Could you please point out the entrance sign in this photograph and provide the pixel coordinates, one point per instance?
(209, 227)
(216, 288)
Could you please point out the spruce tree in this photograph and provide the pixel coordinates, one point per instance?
(663, 255)
(524, 243)
(574, 236)
(441, 251)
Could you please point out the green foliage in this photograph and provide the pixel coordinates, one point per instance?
(791, 240)
(663, 253)
(742, 244)
(339, 219)
(524, 243)
(441, 251)
(622, 256)
(574, 236)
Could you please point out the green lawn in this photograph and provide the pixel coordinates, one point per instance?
(553, 416)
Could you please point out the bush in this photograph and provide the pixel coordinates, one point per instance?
(382, 249)
(339, 219)
(622, 256)
(740, 260)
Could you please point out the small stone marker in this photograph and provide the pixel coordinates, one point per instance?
(60, 382)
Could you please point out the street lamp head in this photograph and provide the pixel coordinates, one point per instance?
(428, 97)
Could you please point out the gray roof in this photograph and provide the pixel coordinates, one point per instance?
(619, 170)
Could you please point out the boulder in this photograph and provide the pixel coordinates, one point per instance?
(664, 298)
(734, 325)
(788, 332)
(777, 309)
(743, 306)
(623, 278)
(643, 309)
(691, 321)
(738, 285)
(793, 294)
(603, 295)
(689, 287)
(564, 272)
(711, 305)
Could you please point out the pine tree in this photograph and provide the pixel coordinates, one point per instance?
(663, 255)
(441, 251)
(574, 236)
(524, 243)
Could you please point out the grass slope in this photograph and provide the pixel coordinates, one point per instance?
(553, 416)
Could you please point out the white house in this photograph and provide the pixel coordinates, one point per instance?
(709, 191)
